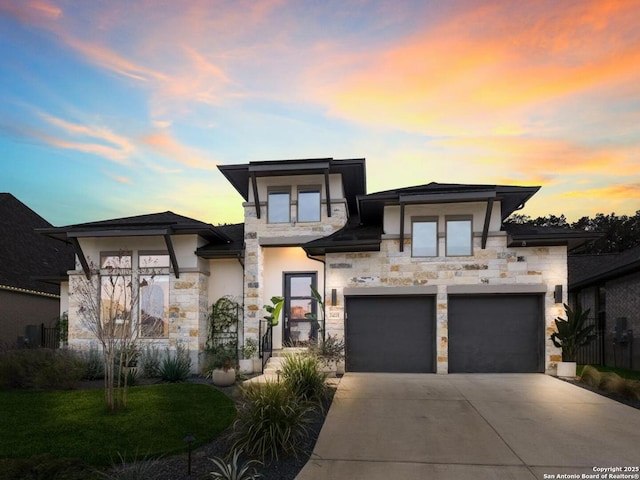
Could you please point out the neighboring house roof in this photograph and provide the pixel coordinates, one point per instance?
(533, 236)
(163, 224)
(352, 171)
(585, 270)
(28, 260)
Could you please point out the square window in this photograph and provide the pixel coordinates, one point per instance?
(309, 205)
(278, 207)
(424, 238)
(459, 238)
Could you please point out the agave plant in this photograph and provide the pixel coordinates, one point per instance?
(572, 332)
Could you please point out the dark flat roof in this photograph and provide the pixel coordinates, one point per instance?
(352, 171)
(533, 236)
(511, 197)
(154, 223)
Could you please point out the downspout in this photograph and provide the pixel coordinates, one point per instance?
(324, 292)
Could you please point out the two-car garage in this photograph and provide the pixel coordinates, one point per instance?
(487, 333)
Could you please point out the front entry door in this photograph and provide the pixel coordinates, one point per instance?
(298, 301)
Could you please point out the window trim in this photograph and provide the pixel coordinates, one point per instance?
(278, 190)
(458, 218)
(309, 189)
(423, 219)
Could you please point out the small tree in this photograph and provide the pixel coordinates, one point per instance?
(108, 309)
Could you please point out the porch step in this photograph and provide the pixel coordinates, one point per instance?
(274, 364)
(288, 350)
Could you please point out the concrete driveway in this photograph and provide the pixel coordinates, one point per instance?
(501, 426)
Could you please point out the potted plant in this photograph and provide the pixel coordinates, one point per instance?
(330, 353)
(247, 352)
(221, 365)
(572, 333)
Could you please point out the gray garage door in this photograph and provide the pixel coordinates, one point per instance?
(496, 334)
(390, 334)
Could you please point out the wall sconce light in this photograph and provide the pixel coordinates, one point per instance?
(334, 297)
(557, 294)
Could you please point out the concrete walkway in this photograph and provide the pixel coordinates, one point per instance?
(502, 426)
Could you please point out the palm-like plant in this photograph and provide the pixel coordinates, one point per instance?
(572, 332)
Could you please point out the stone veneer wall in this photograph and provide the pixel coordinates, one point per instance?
(495, 265)
(188, 310)
(257, 230)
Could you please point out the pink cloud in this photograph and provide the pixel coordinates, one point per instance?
(163, 143)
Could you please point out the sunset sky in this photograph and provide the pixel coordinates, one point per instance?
(118, 108)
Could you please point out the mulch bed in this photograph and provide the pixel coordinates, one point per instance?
(175, 467)
(613, 396)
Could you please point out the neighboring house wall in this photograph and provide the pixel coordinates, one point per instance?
(610, 300)
(17, 310)
(623, 300)
(497, 265)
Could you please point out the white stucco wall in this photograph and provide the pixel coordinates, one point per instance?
(391, 225)
(277, 261)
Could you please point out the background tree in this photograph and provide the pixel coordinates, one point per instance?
(619, 232)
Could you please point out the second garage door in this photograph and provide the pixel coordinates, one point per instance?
(496, 334)
(390, 334)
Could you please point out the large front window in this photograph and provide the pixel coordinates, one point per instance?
(154, 295)
(278, 206)
(146, 287)
(459, 237)
(116, 293)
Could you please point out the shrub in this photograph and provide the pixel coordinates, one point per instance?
(95, 364)
(329, 350)
(614, 383)
(302, 375)
(176, 368)
(63, 371)
(271, 420)
(137, 470)
(150, 360)
(591, 376)
(40, 368)
(45, 467)
(233, 470)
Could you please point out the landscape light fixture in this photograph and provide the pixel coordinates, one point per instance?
(189, 439)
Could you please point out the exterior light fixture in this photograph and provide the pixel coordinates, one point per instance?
(557, 294)
(189, 439)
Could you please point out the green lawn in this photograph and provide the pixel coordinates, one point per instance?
(75, 424)
(623, 372)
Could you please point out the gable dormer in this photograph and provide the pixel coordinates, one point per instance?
(305, 199)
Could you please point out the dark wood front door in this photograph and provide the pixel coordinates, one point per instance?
(298, 302)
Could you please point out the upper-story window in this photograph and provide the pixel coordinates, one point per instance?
(459, 236)
(278, 205)
(424, 237)
(308, 204)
